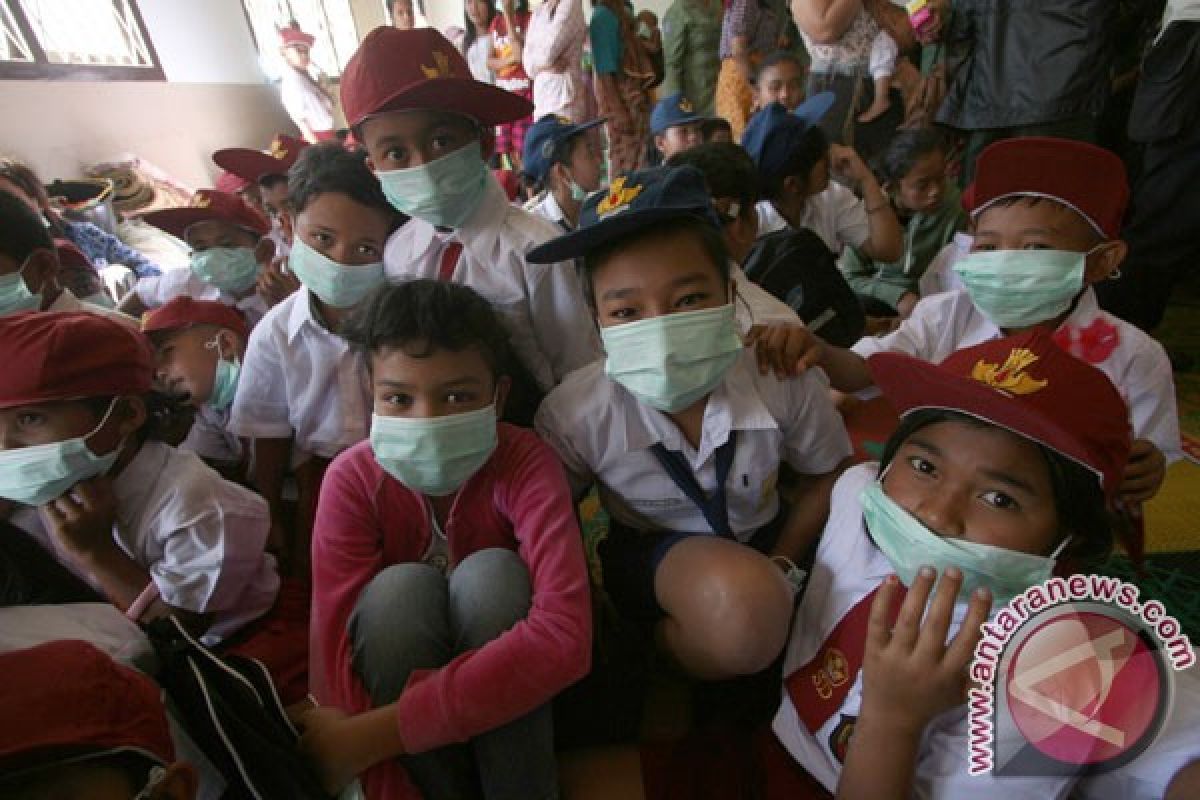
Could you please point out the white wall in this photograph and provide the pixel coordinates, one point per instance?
(202, 42)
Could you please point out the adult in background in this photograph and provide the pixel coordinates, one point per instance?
(306, 102)
(691, 32)
(553, 59)
(403, 14)
(508, 43)
(477, 39)
(623, 80)
(751, 30)
(1028, 69)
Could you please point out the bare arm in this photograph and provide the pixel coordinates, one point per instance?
(825, 20)
(808, 513)
(885, 239)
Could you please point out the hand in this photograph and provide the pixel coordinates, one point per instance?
(910, 673)
(846, 163)
(931, 31)
(906, 303)
(275, 284)
(789, 350)
(1145, 472)
(82, 519)
(325, 741)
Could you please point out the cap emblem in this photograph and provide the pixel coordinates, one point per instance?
(441, 67)
(1010, 377)
(618, 199)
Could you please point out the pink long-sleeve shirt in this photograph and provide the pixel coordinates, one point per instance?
(367, 521)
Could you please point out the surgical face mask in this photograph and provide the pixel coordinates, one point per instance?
(336, 285)
(36, 475)
(444, 192)
(671, 361)
(578, 193)
(1022, 288)
(909, 545)
(434, 455)
(230, 269)
(225, 380)
(643, 30)
(15, 295)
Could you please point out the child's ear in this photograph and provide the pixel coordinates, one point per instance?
(503, 386)
(1105, 261)
(41, 270)
(264, 251)
(131, 416)
(660, 142)
(229, 345)
(287, 224)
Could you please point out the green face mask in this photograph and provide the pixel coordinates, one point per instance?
(337, 285)
(1022, 288)
(434, 455)
(671, 361)
(909, 545)
(230, 269)
(445, 192)
(225, 380)
(15, 296)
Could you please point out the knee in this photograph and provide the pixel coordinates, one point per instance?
(417, 588)
(490, 591)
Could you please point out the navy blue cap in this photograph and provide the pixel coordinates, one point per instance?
(543, 139)
(634, 201)
(672, 110)
(773, 132)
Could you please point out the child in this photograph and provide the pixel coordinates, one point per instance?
(226, 238)
(675, 126)
(561, 161)
(29, 267)
(85, 727)
(304, 99)
(402, 14)
(717, 130)
(912, 171)
(450, 594)
(301, 398)
(508, 42)
(152, 529)
(682, 434)
(881, 65)
(794, 160)
(995, 489)
(426, 124)
(477, 41)
(779, 79)
(267, 171)
(199, 346)
(1046, 214)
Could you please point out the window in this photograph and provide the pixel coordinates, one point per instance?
(329, 21)
(75, 40)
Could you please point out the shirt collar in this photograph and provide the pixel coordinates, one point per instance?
(66, 301)
(478, 234)
(300, 314)
(138, 478)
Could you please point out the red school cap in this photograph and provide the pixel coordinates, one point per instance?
(65, 701)
(229, 183)
(209, 204)
(1087, 179)
(395, 70)
(1028, 385)
(251, 165)
(289, 37)
(184, 312)
(50, 356)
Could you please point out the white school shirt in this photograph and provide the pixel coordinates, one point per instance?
(603, 435)
(1137, 365)
(541, 304)
(304, 101)
(67, 301)
(836, 214)
(157, 290)
(546, 206)
(848, 567)
(754, 305)
(301, 380)
(940, 276)
(199, 536)
(210, 438)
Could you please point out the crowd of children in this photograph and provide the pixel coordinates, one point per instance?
(385, 389)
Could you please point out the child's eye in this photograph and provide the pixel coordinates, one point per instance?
(457, 398)
(1000, 500)
(30, 418)
(921, 465)
(442, 142)
(983, 248)
(1036, 246)
(690, 299)
(623, 313)
(367, 250)
(322, 238)
(396, 154)
(401, 400)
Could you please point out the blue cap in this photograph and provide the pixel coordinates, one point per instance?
(634, 201)
(772, 133)
(543, 140)
(672, 110)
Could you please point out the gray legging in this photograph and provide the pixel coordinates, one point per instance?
(411, 617)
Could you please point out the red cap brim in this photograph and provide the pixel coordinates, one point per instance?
(482, 102)
(176, 221)
(249, 165)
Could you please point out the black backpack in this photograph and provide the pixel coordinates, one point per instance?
(230, 708)
(796, 267)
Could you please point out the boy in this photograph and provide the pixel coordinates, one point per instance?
(427, 127)
(1046, 216)
(794, 161)
(446, 564)
(301, 398)
(682, 434)
(29, 267)
(267, 171)
(561, 161)
(199, 345)
(675, 125)
(779, 79)
(228, 248)
(83, 726)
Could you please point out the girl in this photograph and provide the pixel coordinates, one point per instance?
(553, 58)
(477, 42)
(150, 528)
(450, 594)
(912, 172)
(564, 166)
(750, 30)
(779, 79)
(508, 44)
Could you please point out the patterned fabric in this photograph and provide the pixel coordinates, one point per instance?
(103, 249)
(553, 57)
(735, 95)
(850, 52)
(761, 27)
(510, 137)
(691, 40)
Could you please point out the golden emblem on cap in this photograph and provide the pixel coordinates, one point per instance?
(441, 67)
(278, 150)
(201, 199)
(1010, 377)
(618, 199)
(562, 120)
(685, 106)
